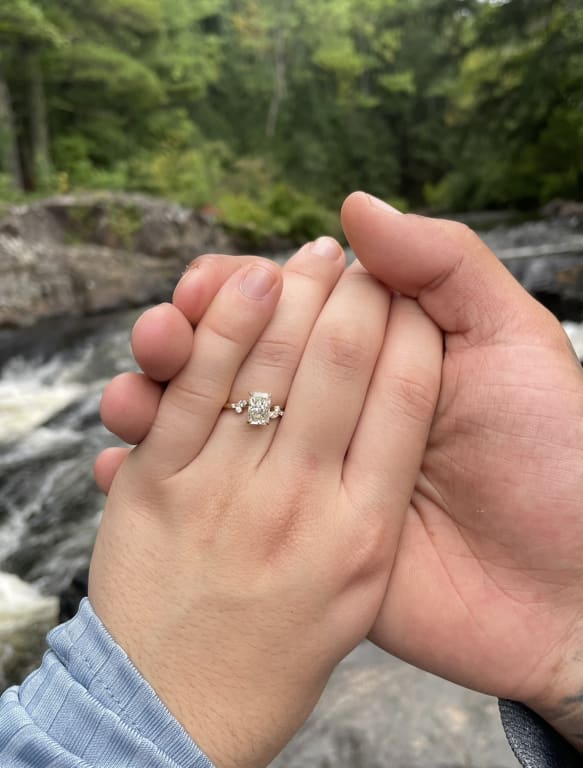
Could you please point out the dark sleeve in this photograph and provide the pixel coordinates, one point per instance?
(534, 742)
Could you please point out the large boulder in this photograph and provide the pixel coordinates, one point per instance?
(39, 280)
(90, 253)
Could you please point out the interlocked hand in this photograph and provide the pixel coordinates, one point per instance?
(487, 587)
(238, 564)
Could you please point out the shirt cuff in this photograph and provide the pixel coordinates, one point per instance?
(87, 706)
(534, 742)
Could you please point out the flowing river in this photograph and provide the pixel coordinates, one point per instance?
(51, 378)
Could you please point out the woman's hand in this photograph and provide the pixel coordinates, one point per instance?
(236, 565)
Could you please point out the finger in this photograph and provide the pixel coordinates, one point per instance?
(107, 465)
(162, 342)
(194, 400)
(202, 280)
(458, 281)
(388, 446)
(309, 278)
(330, 386)
(128, 406)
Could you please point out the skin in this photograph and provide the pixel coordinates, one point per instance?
(487, 584)
(229, 557)
(487, 587)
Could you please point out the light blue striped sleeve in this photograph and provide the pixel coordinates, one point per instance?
(87, 706)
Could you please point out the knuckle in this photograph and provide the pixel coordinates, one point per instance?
(414, 394)
(224, 331)
(316, 274)
(367, 555)
(280, 354)
(343, 353)
(460, 231)
(191, 396)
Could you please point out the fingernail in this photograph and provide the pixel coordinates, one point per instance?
(381, 205)
(257, 283)
(326, 248)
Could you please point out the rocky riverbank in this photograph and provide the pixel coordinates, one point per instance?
(86, 254)
(83, 254)
(546, 257)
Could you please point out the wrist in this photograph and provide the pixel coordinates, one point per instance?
(561, 705)
(237, 720)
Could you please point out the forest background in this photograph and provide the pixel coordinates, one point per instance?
(266, 113)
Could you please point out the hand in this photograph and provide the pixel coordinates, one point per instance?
(238, 565)
(487, 587)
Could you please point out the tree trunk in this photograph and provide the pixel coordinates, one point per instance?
(9, 158)
(39, 125)
(279, 84)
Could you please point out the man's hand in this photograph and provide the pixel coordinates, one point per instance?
(487, 588)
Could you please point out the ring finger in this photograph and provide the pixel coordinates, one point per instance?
(194, 399)
(309, 278)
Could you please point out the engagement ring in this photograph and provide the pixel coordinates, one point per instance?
(259, 410)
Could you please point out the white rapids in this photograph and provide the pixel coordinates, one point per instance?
(21, 604)
(575, 333)
(30, 395)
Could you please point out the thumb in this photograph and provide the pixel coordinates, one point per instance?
(457, 280)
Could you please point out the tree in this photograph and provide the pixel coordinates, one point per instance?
(263, 107)
(26, 34)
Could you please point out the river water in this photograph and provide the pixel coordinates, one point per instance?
(51, 378)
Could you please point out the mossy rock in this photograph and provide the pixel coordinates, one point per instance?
(124, 222)
(81, 224)
(106, 222)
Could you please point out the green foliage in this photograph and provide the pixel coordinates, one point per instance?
(7, 192)
(518, 108)
(82, 224)
(124, 223)
(25, 21)
(271, 111)
(258, 208)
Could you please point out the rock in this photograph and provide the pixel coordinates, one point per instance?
(557, 282)
(575, 333)
(72, 595)
(378, 712)
(86, 254)
(39, 280)
(547, 258)
(564, 209)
